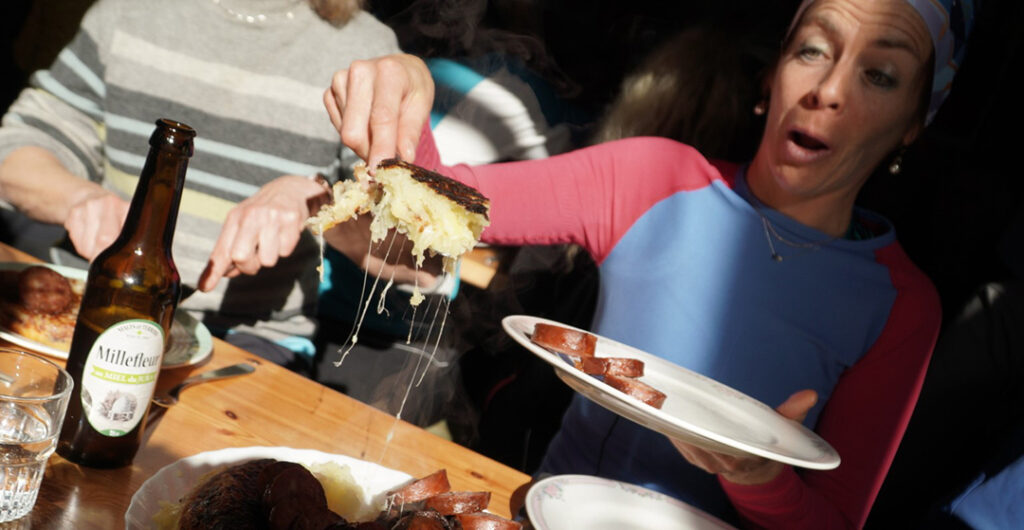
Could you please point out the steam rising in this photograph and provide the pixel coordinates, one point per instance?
(421, 387)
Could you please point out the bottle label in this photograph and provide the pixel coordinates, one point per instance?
(120, 375)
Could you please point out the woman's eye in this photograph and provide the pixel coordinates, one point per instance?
(880, 79)
(810, 52)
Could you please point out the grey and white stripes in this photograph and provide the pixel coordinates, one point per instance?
(253, 94)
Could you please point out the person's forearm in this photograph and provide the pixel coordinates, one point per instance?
(35, 182)
(785, 502)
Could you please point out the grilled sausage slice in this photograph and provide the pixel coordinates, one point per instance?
(620, 366)
(564, 340)
(486, 521)
(456, 502)
(637, 389)
(420, 489)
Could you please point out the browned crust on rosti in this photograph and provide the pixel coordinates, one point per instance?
(455, 191)
(52, 329)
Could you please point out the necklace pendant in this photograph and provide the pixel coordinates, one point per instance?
(777, 257)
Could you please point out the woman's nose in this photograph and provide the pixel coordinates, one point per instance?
(832, 89)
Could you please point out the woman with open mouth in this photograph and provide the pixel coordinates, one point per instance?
(764, 276)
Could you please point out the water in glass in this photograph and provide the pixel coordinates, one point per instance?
(25, 444)
(32, 405)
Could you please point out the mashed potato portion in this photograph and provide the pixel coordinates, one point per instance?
(345, 496)
(168, 516)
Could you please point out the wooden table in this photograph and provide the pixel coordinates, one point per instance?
(271, 407)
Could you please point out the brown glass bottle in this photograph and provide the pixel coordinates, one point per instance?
(130, 296)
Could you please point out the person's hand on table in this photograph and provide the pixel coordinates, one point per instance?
(380, 106)
(94, 220)
(36, 182)
(748, 470)
(263, 228)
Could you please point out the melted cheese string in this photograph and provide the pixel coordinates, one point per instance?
(381, 307)
(440, 331)
(320, 243)
(354, 334)
(419, 371)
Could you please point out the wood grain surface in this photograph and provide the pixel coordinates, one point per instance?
(271, 407)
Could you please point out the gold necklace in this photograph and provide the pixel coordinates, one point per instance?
(256, 18)
(771, 233)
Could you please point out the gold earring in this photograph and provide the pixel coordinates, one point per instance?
(897, 163)
(760, 108)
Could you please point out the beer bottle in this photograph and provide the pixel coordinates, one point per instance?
(125, 319)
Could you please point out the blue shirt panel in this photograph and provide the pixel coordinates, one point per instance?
(693, 281)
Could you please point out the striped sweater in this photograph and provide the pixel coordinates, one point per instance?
(252, 91)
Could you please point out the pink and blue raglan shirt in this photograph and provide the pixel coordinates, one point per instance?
(686, 274)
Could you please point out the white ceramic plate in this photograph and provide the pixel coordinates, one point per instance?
(175, 480)
(190, 342)
(698, 409)
(571, 502)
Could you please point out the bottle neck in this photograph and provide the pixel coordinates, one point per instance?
(153, 213)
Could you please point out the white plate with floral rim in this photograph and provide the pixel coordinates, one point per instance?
(697, 409)
(571, 502)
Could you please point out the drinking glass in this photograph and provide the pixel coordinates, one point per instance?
(33, 397)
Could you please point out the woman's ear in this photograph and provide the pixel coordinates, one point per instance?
(767, 77)
(912, 133)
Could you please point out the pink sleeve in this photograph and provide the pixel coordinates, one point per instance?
(864, 418)
(589, 197)
(427, 155)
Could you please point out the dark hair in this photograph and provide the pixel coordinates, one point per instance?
(700, 88)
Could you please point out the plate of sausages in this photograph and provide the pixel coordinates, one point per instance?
(285, 487)
(668, 398)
